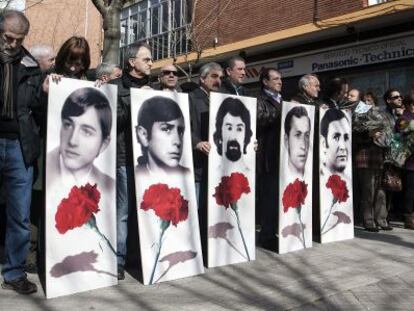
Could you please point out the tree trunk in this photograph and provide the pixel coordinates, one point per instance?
(112, 35)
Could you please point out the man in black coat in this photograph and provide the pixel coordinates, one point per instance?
(21, 109)
(269, 108)
(235, 76)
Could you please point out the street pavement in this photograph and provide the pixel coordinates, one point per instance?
(374, 271)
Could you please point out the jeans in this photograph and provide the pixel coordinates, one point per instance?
(17, 179)
(125, 193)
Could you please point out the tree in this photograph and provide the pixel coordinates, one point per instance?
(110, 11)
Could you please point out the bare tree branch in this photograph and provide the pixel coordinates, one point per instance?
(100, 6)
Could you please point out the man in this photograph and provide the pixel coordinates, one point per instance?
(20, 101)
(236, 74)
(232, 134)
(335, 93)
(44, 55)
(168, 78)
(138, 63)
(309, 88)
(107, 72)
(85, 133)
(354, 95)
(297, 131)
(160, 133)
(269, 107)
(336, 142)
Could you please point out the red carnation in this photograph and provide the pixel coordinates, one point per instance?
(167, 203)
(294, 195)
(338, 188)
(231, 188)
(78, 208)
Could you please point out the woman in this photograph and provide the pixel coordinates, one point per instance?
(403, 126)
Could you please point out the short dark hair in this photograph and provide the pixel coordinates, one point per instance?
(25, 24)
(236, 108)
(331, 115)
(387, 94)
(232, 61)
(158, 109)
(334, 87)
(298, 112)
(264, 74)
(374, 98)
(71, 50)
(132, 51)
(81, 99)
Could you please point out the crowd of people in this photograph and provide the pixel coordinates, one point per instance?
(25, 84)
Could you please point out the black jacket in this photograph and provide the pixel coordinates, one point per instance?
(199, 115)
(31, 106)
(228, 88)
(268, 134)
(124, 155)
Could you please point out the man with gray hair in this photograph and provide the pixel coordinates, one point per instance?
(309, 88)
(107, 72)
(20, 108)
(209, 80)
(44, 55)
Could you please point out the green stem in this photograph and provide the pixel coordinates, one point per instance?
(163, 228)
(302, 228)
(234, 207)
(329, 214)
(92, 223)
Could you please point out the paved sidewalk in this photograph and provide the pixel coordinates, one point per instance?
(374, 271)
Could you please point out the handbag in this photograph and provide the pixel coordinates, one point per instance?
(391, 179)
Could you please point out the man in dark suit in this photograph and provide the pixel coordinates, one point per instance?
(235, 76)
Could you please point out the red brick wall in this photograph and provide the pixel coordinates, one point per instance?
(232, 21)
(53, 22)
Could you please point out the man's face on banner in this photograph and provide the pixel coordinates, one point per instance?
(81, 140)
(165, 145)
(233, 134)
(338, 145)
(297, 142)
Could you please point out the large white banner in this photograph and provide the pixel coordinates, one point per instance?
(231, 180)
(335, 185)
(80, 187)
(165, 190)
(295, 182)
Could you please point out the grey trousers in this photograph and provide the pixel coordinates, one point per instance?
(373, 200)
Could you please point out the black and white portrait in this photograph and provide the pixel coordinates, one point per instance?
(335, 137)
(233, 133)
(297, 126)
(80, 169)
(160, 132)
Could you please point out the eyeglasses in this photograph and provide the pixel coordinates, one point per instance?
(396, 97)
(168, 72)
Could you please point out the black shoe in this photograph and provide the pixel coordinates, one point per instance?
(386, 228)
(372, 229)
(121, 273)
(21, 285)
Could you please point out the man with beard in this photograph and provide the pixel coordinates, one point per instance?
(336, 140)
(20, 108)
(297, 132)
(232, 135)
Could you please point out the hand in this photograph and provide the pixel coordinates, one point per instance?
(54, 77)
(100, 82)
(204, 147)
(146, 87)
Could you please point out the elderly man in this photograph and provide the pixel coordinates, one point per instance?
(138, 63)
(309, 88)
(168, 78)
(269, 107)
(19, 143)
(107, 72)
(236, 74)
(44, 55)
(209, 80)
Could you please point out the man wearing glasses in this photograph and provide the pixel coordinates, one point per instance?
(168, 78)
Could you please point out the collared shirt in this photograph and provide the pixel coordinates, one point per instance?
(276, 96)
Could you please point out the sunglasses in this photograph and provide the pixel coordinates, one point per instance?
(396, 97)
(168, 72)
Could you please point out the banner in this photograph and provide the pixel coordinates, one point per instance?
(295, 182)
(165, 190)
(231, 180)
(335, 165)
(80, 187)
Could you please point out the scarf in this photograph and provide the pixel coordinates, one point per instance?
(131, 81)
(7, 78)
